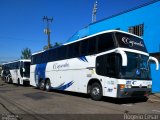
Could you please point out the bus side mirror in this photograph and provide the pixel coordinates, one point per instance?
(23, 69)
(156, 61)
(124, 57)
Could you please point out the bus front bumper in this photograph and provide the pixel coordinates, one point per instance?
(133, 92)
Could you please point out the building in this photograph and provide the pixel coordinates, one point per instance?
(143, 21)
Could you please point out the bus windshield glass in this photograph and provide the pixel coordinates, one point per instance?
(130, 41)
(27, 69)
(137, 67)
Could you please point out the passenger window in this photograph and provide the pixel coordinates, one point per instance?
(76, 49)
(70, 51)
(84, 47)
(61, 53)
(92, 49)
(52, 55)
(105, 42)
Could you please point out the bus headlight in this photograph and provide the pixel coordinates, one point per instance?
(149, 86)
(128, 86)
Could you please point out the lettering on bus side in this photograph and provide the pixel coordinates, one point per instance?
(128, 82)
(110, 90)
(131, 43)
(59, 66)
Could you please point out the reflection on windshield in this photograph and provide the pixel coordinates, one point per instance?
(138, 67)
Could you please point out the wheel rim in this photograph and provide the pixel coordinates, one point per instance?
(96, 91)
(47, 86)
(42, 85)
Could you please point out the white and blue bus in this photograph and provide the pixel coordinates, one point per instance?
(17, 72)
(110, 63)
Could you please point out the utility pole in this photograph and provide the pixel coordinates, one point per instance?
(94, 12)
(47, 29)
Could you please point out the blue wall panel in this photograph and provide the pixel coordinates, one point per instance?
(156, 79)
(148, 15)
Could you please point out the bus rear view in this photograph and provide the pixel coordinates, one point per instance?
(17, 72)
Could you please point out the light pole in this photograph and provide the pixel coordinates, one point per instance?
(47, 29)
(94, 12)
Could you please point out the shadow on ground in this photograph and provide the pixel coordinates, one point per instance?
(105, 99)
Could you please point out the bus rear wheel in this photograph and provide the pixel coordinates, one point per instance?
(42, 85)
(48, 86)
(96, 91)
(10, 81)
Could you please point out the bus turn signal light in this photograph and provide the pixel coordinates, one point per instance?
(122, 86)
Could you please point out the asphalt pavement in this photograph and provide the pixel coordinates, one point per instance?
(26, 102)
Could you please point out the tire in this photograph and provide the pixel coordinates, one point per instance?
(5, 79)
(48, 86)
(42, 85)
(96, 91)
(18, 82)
(10, 81)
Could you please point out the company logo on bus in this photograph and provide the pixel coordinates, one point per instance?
(138, 72)
(59, 66)
(131, 43)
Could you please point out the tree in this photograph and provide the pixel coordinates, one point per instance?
(26, 53)
(57, 44)
(46, 47)
(52, 46)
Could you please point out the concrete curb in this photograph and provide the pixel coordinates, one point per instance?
(154, 98)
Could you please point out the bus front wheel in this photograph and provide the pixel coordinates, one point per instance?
(96, 91)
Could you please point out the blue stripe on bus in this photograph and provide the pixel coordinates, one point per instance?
(40, 71)
(63, 86)
(83, 58)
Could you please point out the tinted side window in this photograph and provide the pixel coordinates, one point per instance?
(46, 56)
(105, 42)
(76, 49)
(106, 65)
(61, 53)
(43, 57)
(84, 47)
(92, 49)
(32, 60)
(52, 55)
(10, 66)
(38, 58)
(70, 51)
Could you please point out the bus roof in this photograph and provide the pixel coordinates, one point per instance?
(107, 31)
(23, 60)
(99, 33)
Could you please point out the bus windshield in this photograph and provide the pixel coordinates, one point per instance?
(137, 67)
(27, 69)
